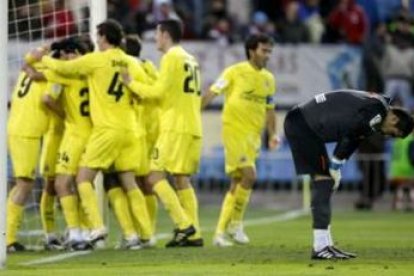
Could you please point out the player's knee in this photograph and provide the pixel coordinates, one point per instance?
(155, 177)
(248, 178)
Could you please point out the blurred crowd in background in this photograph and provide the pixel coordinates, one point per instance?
(226, 21)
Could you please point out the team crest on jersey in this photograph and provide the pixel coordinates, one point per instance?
(243, 159)
(220, 83)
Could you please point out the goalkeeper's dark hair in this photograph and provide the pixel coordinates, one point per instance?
(112, 31)
(405, 121)
(253, 41)
(132, 45)
(173, 27)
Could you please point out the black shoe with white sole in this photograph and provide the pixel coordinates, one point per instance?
(348, 254)
(327, 253)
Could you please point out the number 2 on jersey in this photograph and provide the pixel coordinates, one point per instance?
(115, 88)
(84, 105)
(192, 80)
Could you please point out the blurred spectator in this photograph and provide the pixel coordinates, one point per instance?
(397, 64)
(347, 23)
(402, 173)
(222, 32)
(310, 15)
(262, 24)
(60, 22)
(216, 11)
(164, 9)
(291, 29)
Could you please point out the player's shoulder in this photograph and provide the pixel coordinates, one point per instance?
(268, 74)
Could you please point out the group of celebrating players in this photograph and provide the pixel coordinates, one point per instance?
(109, 111)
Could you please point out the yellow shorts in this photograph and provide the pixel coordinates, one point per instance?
(70, 152)
(240, 149)
(24, 154)
(108, 147)
(176, 153)
(143, 157)
(49, 155)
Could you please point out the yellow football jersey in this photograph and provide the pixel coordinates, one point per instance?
(74, 97)
(111, 104)
(55, 122)
(28, 116)
(150, 107)
(248, 93)
(178, 90)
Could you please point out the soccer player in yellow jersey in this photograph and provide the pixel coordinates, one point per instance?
(177, 149)
(248, 89)
(113, 137)
(27, 123)
(73, 94)
(147, 123)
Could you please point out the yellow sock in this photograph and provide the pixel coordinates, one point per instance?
(188, 200)
(89, 202)
(225, 213)
(172, 204)
(84, 222)
(140, 212)
(119, 203)
(47, 212)
(14, 218)
(241, 199)
(70, 211)
(152, 206)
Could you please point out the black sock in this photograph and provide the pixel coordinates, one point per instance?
(321, 203)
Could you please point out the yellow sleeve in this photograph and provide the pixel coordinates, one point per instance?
(138, 73)
(79, 66)
(222, 84)
(52, 76)
(150, 69)
(165, 80)
(270, 101)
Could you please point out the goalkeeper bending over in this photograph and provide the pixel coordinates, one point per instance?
(345, 117)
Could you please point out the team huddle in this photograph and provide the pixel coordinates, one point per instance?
(109, 111)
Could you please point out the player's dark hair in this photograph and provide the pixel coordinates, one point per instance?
(132, 45)
(112, 31)
(405, 121)
(86, 43)
(253, 41)
(173, 27)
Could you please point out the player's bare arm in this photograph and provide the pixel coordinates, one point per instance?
(207, 98)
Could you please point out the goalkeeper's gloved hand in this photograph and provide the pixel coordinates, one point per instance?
(335, 170)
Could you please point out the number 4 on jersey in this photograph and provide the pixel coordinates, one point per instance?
(115, 88)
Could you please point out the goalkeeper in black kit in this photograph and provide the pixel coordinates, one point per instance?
(345, 117)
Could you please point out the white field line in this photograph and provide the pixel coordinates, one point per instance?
(57, 258)
(259, 221)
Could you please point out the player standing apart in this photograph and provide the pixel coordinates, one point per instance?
(248, 88)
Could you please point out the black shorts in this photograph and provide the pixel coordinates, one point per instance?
(308, 150)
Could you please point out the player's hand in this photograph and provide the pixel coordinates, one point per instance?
(125, 77)
(335, 170)
(37, 54)
(274, 142)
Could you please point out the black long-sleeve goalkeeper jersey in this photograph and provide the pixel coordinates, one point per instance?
(345, 117)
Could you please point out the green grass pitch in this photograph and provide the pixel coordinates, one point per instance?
(384, 242)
